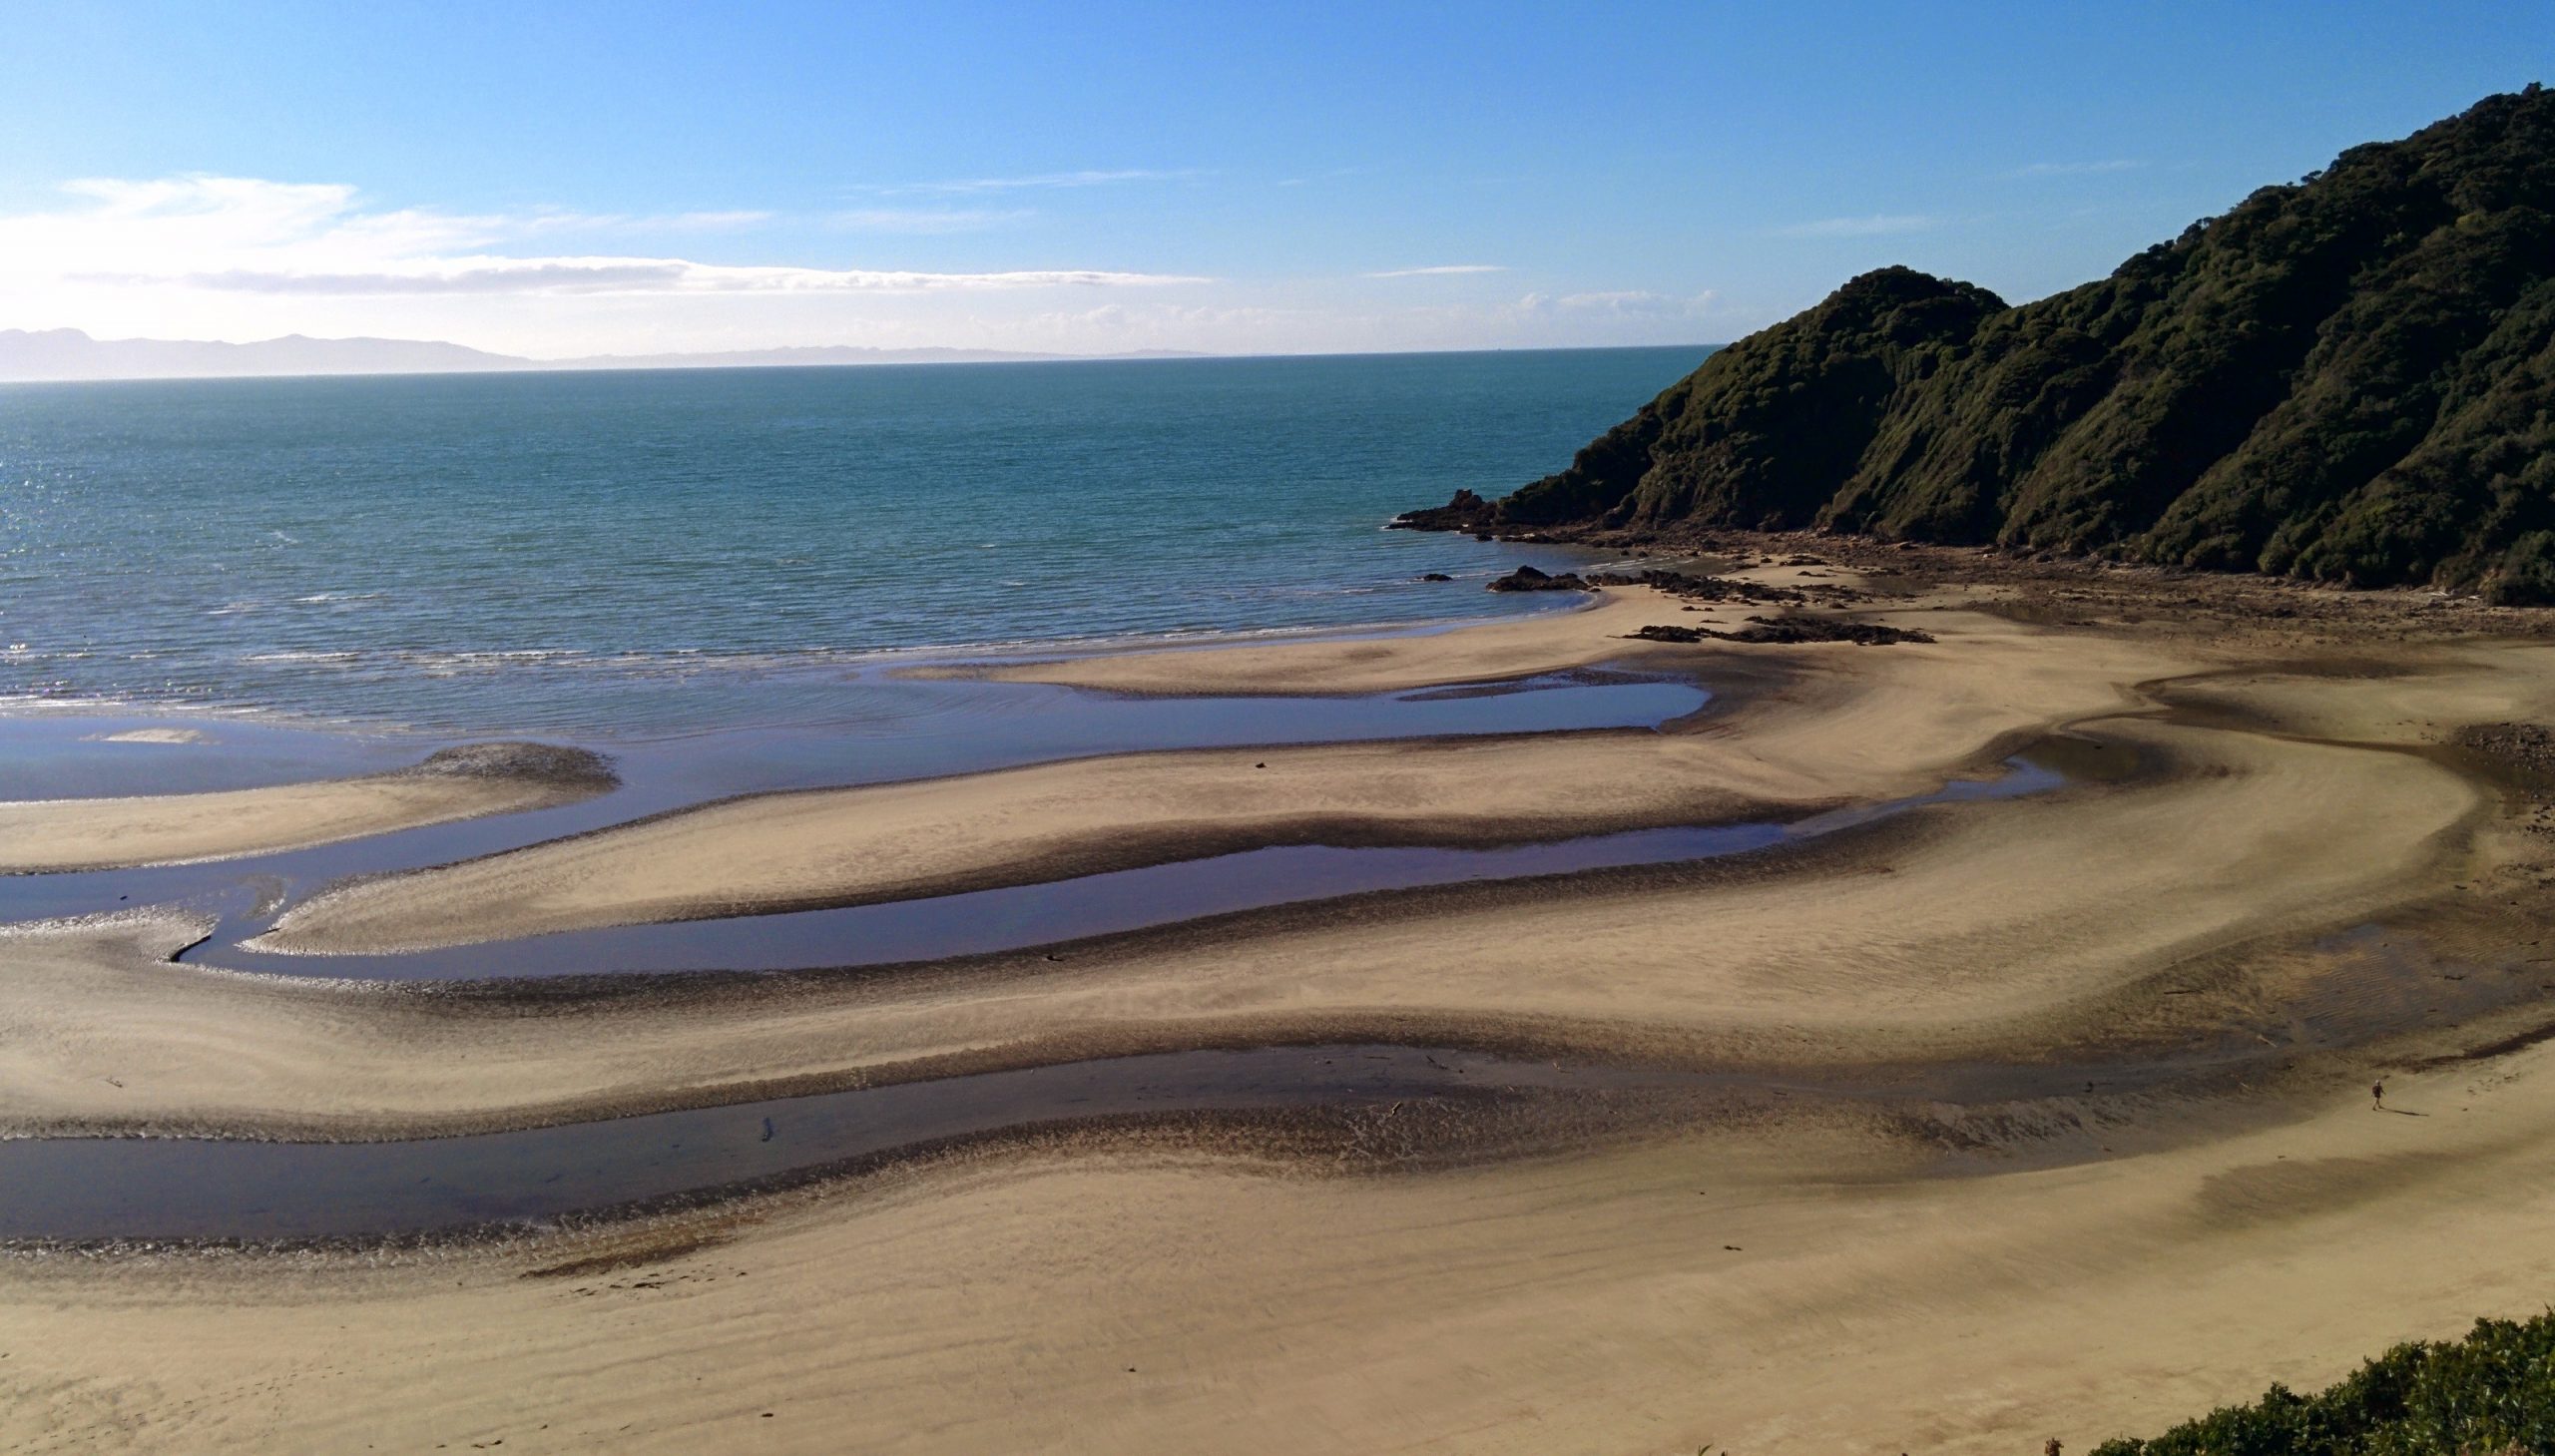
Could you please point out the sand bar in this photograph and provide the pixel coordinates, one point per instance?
(1813, 726)
(39, 836)
(1589, 631)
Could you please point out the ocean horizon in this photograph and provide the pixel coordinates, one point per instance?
(657, 552)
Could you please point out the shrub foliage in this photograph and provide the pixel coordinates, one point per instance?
(2492, 1393)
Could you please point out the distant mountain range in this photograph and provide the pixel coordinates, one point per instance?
(2348, 378)
(68, 355)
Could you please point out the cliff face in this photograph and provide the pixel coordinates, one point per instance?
(2349, 378)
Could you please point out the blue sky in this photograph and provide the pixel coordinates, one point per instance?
(568, 179)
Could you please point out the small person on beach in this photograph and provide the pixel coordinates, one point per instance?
(2377, 1097)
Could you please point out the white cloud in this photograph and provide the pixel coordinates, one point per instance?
(2071, 169)
(1046, 179)
(1300, 321)
(926, 219)
(1440, 271)
(245, 236)
(708, 221)
(1326, 174)
(130, 227)
(1877, 226)
(244, 258)
(551, 219)
(1625, 304)
(623, 276)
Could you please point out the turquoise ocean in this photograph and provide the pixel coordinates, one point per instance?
(649, 554)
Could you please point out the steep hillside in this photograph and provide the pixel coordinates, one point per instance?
(2349, 378)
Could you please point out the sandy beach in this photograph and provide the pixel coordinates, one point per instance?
(1965, 1126)
(1639, 730)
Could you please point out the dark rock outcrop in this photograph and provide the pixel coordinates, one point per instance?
(1823, 629)
(1701, 588)
(1528, 579)
(1785, 629)
(1466, 512)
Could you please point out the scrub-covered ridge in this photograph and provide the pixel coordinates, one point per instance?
(2348, 378)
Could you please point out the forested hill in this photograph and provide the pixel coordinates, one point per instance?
(2349, 378)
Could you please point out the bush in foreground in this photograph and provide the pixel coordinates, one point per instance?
(2489, 1394)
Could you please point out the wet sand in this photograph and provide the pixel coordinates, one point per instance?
(1479, 654)
(1796, 730)
(54, 835)
(1731, 1291)
(1900, 1227)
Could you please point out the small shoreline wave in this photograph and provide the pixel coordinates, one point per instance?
(427, 564)
(664, 666)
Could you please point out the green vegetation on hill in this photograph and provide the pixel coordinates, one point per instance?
(2490, 1393)
(2349, 378)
